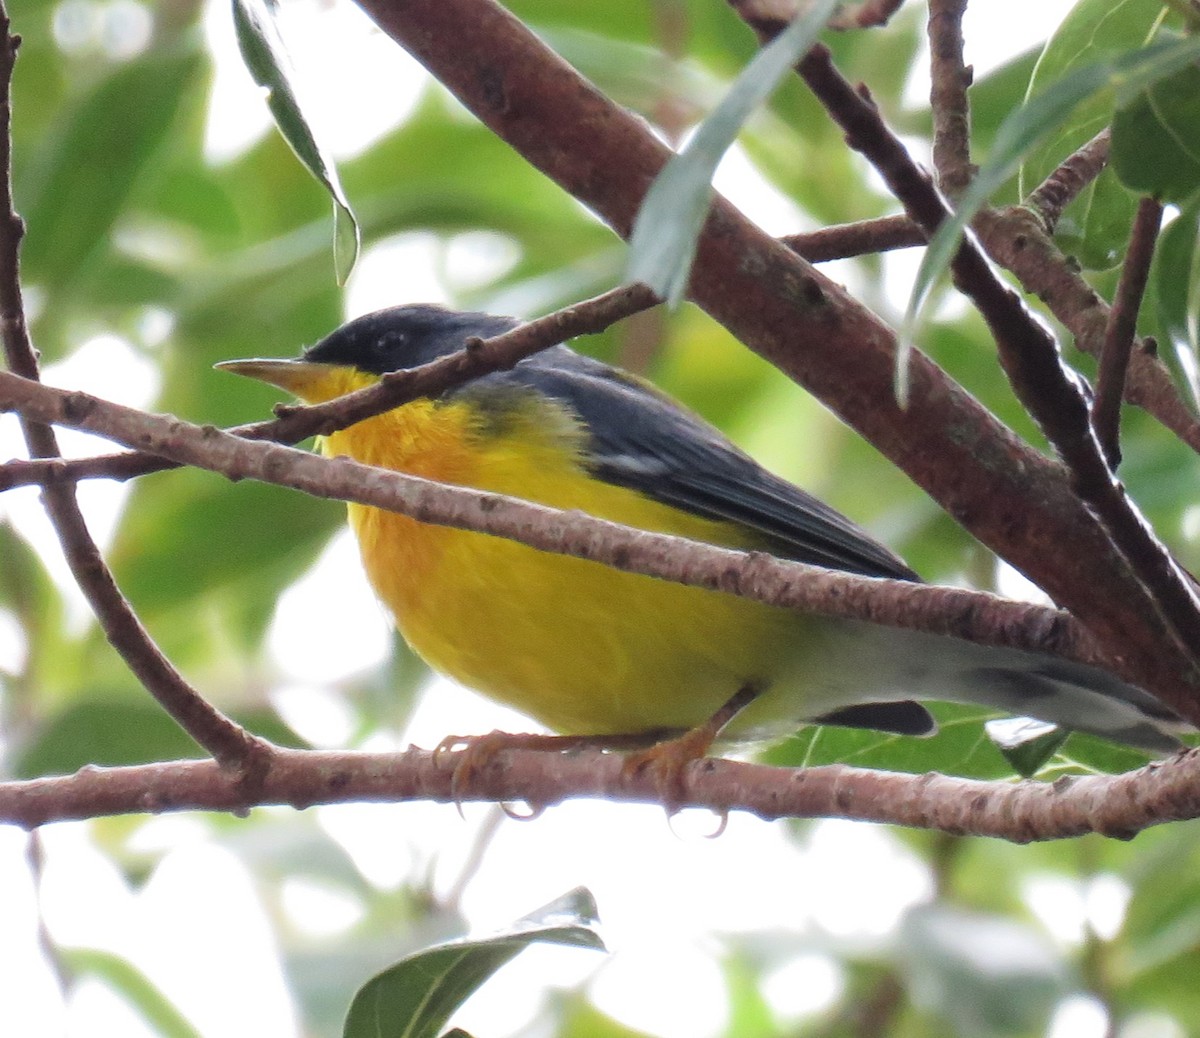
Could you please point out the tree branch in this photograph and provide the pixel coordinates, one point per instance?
(296, 422)
(495, 354)
(478, 357)
(1014, 238)
(40, 472)
(971, 615)
(503, 351)
(227, 741)
(856, 239)
(950, 77)
(1062, 187)
(1017, 239)
(1122, 327)
(1118, 805)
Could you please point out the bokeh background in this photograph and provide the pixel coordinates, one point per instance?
(171, 227)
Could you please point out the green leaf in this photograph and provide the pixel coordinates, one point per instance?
(1089, 754)
(191, 533)
(578, 1018)
(25, 585)
(109, 733)
(95, 158)
(1122, 76)
(1092, 31)
(996, 94)
(1156, 138)
(116, 730)
(986, 974)
(1027, 744)
(1095, 226)
(1175, 288)
(415, 998)
(663, 243)
(122, 976)
(1162, 924)
(960, 747)
(267, 59)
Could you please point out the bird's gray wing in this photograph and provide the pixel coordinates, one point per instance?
(643, 440)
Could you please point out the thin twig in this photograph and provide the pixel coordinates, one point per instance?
(296, 422)
(863, 238)
(868, 14)
(1014, 238)
(972, 615)
(1115, 805)
(1062, 187)
(227, 741)
(41, 472)
(52, 952)
(1122, 326)
(1048, 390)
(479, 357)
(950, 77)
(498, 353)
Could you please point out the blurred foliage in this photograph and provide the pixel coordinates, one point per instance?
(418, 995)
(1095, 225)
(139, 238)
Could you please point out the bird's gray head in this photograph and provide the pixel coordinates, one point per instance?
(403, 337)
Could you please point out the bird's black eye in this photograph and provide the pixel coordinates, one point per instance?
(390, 349)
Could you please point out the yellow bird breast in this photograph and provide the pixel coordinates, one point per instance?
(583, 648)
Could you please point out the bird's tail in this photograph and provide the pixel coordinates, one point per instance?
(1027, 684)
(1077, 697)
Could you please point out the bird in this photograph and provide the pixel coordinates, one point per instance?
(593, 652)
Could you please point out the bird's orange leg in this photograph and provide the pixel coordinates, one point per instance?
(668, 760)
(666, 753)
(475, 752)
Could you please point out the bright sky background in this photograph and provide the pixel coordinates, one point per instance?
(655, 882)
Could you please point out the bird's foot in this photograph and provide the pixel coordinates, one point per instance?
(668, 761)
(473, 754)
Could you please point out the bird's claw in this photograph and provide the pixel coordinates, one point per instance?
(668, 763)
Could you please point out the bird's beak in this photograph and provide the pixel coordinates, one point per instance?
(301, 378)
